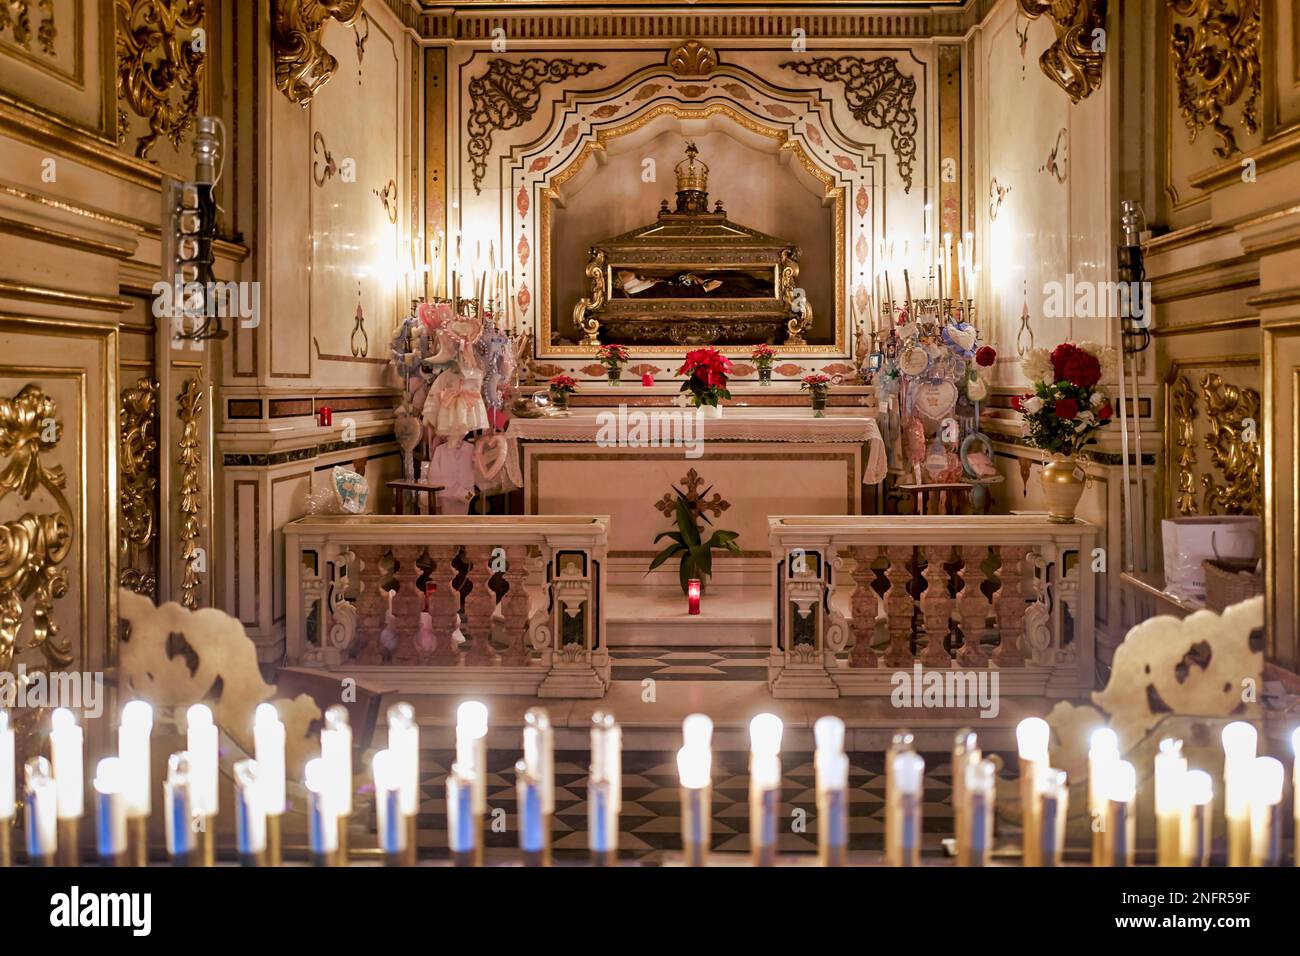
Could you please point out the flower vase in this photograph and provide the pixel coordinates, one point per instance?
(818, 403)
(615, 375)
(765, 376)
(560, 399)
(711, 411)
(1063, 480)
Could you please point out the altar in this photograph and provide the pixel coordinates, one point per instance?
(741, 468)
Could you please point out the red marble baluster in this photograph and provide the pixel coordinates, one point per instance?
(514, 608)
(899, 606)
(406, 604)
(864, 610)
(936, 606)
(372, 602)
(973, 606)
(443, 603)
(1010, 606)
(479, 605)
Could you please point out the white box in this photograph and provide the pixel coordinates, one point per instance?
(1189, 541)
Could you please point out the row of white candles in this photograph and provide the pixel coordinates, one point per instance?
(894, 262)
(476, 278)
(1183, 796)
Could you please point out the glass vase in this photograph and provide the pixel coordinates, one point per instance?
(560, 399)
(765, 376)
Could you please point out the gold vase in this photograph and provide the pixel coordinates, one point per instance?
(1063, 480)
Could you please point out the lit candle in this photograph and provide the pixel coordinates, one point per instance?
(1239, 741)
(1120, 788)
(464, 824)
(604, 789)
(388, 806)
(1103, 751)
(42, 821)
(693, 596)
(901, 742)
(1053, 805)
(178, 805)
(404, 744)
(1265, 812)
(1198, 800)
(201, 745)
(471, 748)
(66, 744)
(250, 813)
(1170, 769)
(536, 786)
(133, 749)
(8, 799)
(903, 813)
(322, 813)
(832, 766)
(965, 754)
(765, 732)
(110, 812)
(336, 751)
(695, 771)
(268, 748)
(981, 795)
(1032, 736)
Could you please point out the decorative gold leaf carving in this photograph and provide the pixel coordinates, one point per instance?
(1182, 401)
(159, 67)
(191, 456)
(1073, 61)
(138, 463)
(692, 58)
(33, 546)
(1232, 411)
(302, 64)
(1216, 63)
(16, 17)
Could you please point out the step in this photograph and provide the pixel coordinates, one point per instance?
(657, 617)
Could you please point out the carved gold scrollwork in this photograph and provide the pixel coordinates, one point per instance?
(1182, 401)
(1233, 414)
(137, 455)
(159, 67)
(34, 545)
(302, 64)
(189, 410)
(16, 17)
(590, 327)
(692, 58)
(1216, 63)
(1074, 60)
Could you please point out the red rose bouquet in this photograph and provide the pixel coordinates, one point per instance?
(707, 370)
(1066, 405)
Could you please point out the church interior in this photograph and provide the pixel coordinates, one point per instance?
(456, 433)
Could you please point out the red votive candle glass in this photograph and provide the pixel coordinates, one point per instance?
(647, 379)
(693, 596)
(326, 415)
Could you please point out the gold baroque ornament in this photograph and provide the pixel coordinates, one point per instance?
(16, 17)
(1232, 410)
(159, 67)
(878, 94)
(507, 96)
(137, 454)
(1182, 406)
(1216, 63)
(33, 546)
(1073, 61)
(191, 455)
(302, 64)
(692, 58)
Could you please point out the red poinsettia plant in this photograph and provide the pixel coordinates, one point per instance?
(1067, 404)
(563, 383)
(613, 357)
(762, 355)
(817, 382)
(707, 371)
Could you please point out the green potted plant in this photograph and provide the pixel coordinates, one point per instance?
(689, 543)
(762, 357)
(613, 357)
(562, 386)
(707, 371)
(817, 384)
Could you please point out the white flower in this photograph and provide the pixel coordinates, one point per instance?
(1037, 366)
(1109, 360)
(1080, 426)
(1032, 405)
(976, 390)
(1092, 348)
(1098, 399)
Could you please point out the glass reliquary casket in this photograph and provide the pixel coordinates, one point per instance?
(693, 277)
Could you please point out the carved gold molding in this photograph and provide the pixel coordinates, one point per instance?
(1216, 64)
(1073, 62)
(33, 546)
(302, 64)
(137, 460)
(1182, 409)
(159, 67)
(16, 17)
(189, 410)
(1231, 411)
(692, 58)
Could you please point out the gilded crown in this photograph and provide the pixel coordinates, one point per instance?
(692, 174)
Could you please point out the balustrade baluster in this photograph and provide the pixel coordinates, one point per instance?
(514, 609)
(480, 602)
(1010, 606)
(973, 606)
(936, 606)
(372, 602)
(443, 604)
(407, 603)
(864, 610)
(899, 607)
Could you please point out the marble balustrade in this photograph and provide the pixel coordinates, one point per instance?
(382, 596)
(1011, 592)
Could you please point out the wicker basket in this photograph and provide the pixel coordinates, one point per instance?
(1230, 582)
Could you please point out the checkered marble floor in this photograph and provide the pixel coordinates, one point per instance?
(689, 663)
(650, 819)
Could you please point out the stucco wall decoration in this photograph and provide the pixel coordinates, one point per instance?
(302, 64)
(1073, 62)
(159, 68)
(1216, 63)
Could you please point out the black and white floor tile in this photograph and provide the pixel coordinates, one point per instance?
(689, 663)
